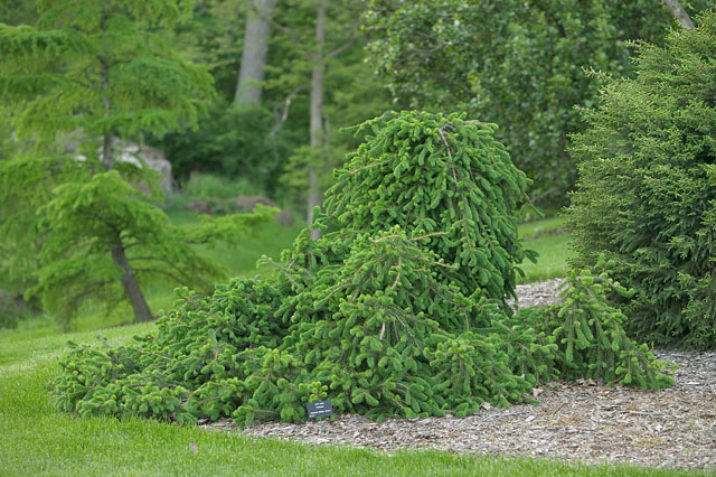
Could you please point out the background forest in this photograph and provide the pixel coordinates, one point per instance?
(249, 101)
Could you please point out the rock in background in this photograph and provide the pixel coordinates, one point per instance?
(140, 155)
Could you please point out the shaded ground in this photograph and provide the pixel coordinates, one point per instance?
(583, 421)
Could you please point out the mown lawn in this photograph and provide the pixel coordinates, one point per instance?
(39, 440)
(240, 259)
(552, 242)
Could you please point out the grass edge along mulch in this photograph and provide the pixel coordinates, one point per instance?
(39, 440)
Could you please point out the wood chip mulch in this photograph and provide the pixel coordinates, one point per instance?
(582, 421)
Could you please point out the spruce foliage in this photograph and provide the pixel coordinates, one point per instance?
(590, 334)
(646, 191)
(443, 176)
(372, 315)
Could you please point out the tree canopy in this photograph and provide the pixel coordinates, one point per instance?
(522, 65)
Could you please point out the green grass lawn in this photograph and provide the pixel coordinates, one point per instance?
(553, 250)
(240, 260)
(537, 228)
(552, 242)
(39, 440)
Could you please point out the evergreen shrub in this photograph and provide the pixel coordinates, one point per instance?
(399, 309)
(646, 196)
(442, 176)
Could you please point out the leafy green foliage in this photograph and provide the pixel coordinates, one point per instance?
(378, 315)
(223, 144)
(520, 64)
(646, 191)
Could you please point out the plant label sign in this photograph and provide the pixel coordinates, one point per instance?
(319, 409)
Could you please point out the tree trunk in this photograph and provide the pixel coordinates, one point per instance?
(253, 57)
(317, 133)
(129, 282)
(107, 157)
(107, 154)
(131, 287)
(680, 13)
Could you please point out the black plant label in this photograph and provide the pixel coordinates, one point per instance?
(319, 409)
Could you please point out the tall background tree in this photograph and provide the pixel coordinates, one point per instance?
(327, 63)
(680, 13)
(85, 74)
(253, 57)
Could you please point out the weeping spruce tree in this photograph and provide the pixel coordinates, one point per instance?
(446, 177)
(87, 73)
(398, 309)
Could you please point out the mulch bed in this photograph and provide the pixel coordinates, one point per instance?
(582, 421)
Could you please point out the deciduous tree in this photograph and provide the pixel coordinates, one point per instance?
(521, 64)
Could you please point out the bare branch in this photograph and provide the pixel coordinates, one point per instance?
(340, 49)
(286, 106)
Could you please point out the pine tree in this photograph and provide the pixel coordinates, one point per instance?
(89, 72)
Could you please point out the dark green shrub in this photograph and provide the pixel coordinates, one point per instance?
(647, 189)
(230, 143)
(13, 310)
(8, 320)
(398, 310)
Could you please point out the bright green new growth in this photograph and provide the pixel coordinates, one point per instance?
(386, 315)
(445, 177)
(591, 334)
